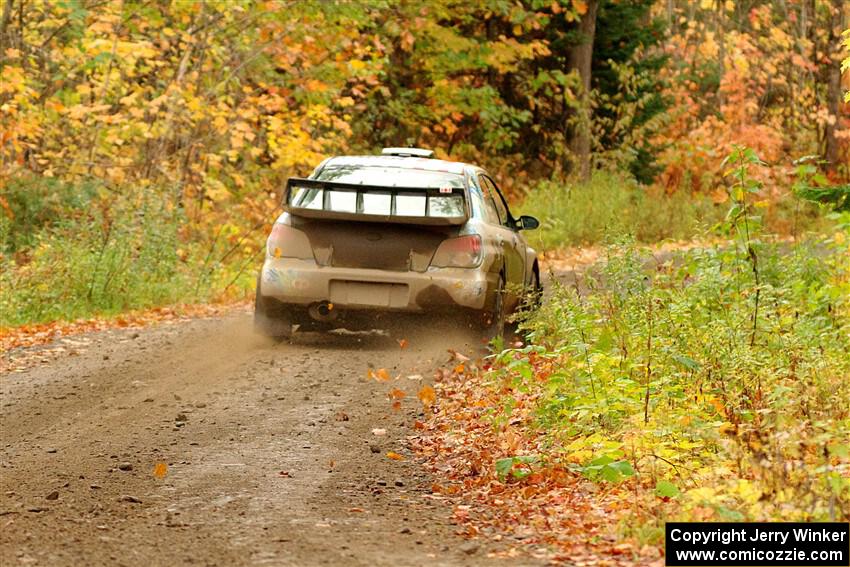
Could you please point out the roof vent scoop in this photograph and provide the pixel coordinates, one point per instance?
(408, 152)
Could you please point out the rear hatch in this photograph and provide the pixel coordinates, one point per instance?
(393, 226)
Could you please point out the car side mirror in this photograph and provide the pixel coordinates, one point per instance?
(527, 222)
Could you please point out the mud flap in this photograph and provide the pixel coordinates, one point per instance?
(271, 318)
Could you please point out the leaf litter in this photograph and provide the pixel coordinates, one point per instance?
(501, 490)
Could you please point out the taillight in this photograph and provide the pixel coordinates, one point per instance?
(460, 252)
(287, 242)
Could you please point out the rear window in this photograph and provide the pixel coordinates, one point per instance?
(399, 203)
(390, 176)
(387, 191)
(446, 206)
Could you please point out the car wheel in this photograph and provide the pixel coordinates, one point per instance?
(534, 297)
(271, 318)
(530, 302)
(494, 322)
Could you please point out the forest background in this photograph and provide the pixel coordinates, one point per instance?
(143, 145)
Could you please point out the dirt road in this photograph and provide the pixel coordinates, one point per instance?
(270, 452)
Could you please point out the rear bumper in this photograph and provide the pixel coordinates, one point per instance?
(303, 282)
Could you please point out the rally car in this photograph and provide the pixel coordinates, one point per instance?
(364, 238)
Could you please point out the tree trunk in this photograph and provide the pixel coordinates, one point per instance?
(721, 53)
(833, 87)
(580, 58)
(4, 26)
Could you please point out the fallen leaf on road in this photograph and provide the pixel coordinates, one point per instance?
(381, 374)
(396, 394)
(461, 512)
(402, 343)
(458, 356)
(396, 405)
(427, 395)
(394, 456)
(160, 470)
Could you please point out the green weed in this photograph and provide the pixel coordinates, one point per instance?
(720, 376)
(610, 206)
(66, 256)
(702, 373)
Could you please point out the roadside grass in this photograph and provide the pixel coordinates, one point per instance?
(686, 391)
(75, 251)
(708, 386)
(723, 392)
(573, 214)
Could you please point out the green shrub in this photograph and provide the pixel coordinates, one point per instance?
(573, 215)
(610, 206)
(719, 375)
(31, 203)
(105, 259)
(732, 390)
(70, 251)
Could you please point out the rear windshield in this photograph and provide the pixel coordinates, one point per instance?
(387, 191)
(390, 176)
(376, 202)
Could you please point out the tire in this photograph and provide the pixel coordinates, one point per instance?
(494, 321)
(271, 318)
(530, 302)
(534, 297)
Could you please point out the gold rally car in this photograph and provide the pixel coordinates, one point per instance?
(365, 238)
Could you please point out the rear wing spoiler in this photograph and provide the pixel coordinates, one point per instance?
(315, 199)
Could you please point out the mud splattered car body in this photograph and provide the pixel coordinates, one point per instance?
(366, 236)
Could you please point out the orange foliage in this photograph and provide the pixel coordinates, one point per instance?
(765, 99)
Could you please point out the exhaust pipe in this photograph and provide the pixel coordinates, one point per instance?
(323, 312)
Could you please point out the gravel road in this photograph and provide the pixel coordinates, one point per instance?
(270, 452)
